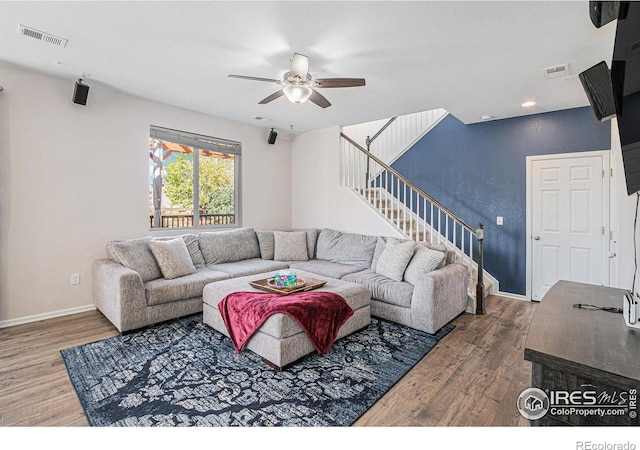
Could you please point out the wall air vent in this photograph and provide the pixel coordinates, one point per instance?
(42, 36)
(557, 71)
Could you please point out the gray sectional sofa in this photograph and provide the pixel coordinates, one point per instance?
(150, 280)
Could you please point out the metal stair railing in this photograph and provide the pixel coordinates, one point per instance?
(414, 212)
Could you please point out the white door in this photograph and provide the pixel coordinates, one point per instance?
(567, 222)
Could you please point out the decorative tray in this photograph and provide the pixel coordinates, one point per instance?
(302, 285)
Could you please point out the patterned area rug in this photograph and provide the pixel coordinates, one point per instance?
(182, 373)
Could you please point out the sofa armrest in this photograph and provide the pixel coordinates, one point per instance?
(118, 293)
(439, 297)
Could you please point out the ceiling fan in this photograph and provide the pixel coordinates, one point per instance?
(299, 86)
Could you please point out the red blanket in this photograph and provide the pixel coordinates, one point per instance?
(319, 313)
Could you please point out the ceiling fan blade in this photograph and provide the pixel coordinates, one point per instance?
(275, 95)
(268, 80)
(339, 82)
(319, 99)
(300, 65)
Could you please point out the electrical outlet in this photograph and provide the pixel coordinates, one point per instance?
(75, 278)
(499, 220)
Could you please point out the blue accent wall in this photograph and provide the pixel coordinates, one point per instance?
(478, 171)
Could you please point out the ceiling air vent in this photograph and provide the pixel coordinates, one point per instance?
(42, 36)
(557, 71)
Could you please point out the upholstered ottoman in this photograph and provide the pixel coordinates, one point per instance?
(281, 341)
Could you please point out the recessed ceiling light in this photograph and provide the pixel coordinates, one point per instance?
(528, 104)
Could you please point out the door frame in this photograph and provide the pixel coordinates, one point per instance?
(606, 201)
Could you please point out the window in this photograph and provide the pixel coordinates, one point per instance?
(186, 170)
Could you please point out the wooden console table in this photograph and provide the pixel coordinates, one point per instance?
(583, 350)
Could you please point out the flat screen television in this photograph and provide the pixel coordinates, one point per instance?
(625, 76)
(615, 92)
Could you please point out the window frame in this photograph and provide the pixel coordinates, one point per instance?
(202, 142)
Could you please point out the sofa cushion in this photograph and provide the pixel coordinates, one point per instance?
(383, 288)
(312, 239)
(136, 255)
(395, 258)
(229, 246)
(266, 242)
(424, 260)
(173, 257)
(325, 268)
(246, 267)
(162, 291)
(381, 243)
(346, 248)
(290, 246)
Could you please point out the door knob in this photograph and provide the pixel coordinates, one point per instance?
(537, 238)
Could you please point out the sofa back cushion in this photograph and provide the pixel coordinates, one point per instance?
(346, 248)
(229, 246)
(136, 255)
(266, 241)
(312, 239)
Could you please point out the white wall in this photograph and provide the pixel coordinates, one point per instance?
(623, 210)
(359, 132)
(319, 201)
(74, 177)
(317, 198)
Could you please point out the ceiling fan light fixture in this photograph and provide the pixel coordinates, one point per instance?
(297, 93)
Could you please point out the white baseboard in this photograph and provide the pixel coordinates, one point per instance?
(514, 296)
(44, 316)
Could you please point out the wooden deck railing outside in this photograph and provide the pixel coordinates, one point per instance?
(186, 220)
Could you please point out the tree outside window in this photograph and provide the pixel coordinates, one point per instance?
(182, 175)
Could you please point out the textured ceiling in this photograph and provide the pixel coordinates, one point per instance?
(473, 58)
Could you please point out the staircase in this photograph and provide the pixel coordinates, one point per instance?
(400, 133)
(393, 138)
(416, 215)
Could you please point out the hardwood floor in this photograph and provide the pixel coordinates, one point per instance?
(471, 378)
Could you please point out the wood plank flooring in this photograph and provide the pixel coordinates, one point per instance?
(471, 378)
